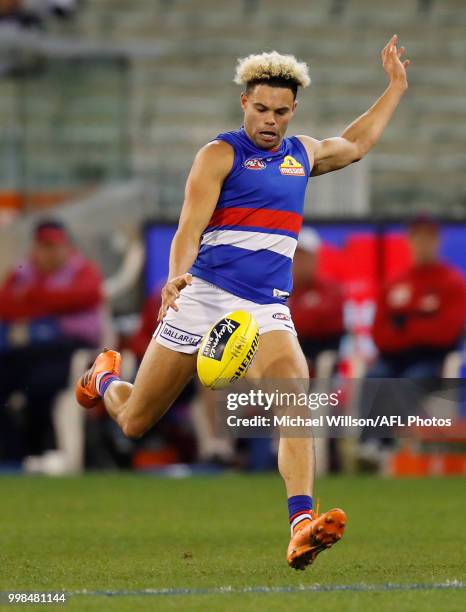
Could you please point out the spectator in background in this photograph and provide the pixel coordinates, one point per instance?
(50, 305)
(316, 304)
(421, 316)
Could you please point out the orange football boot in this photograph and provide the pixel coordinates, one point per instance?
(86, 390)
(315, 536)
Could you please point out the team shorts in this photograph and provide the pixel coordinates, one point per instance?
(202, 304)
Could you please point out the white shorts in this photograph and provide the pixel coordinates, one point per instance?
(202, 304)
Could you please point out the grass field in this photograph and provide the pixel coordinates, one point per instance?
(127, 533)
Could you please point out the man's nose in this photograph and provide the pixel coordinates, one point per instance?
(270, 119)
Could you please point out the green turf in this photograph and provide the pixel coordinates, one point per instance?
(117, 532)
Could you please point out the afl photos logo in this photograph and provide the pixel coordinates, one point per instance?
(254, 164)
(291, 167)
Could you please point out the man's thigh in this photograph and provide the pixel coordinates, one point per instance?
(279, 356)
(280, 368)
(161, 377)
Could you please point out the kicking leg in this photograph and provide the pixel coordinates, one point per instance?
(162, 375)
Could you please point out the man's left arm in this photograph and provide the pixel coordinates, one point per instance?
(361, 135)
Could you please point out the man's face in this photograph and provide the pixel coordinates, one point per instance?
(267, 111)
(424, 241)
(49, 256)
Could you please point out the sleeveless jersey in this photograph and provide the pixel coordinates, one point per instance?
(248, 246)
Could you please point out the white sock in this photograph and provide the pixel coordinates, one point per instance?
(98, 378)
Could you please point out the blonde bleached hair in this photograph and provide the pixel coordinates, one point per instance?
(272, 66)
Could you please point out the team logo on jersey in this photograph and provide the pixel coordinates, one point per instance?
(291, 167)
(255, 164)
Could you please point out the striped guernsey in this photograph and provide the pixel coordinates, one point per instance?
(248, 246)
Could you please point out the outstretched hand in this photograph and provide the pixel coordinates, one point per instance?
(171, 292)
(393, 64)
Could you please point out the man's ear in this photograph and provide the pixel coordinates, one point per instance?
(244, 100)
(295, 106)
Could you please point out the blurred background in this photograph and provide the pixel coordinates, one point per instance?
(103, 105)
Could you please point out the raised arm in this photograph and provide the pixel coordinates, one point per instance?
(210, 168)
(361, 135)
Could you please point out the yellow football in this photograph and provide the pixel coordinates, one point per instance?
(227, 349)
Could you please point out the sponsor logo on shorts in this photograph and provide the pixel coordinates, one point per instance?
(291, 167)
(219, 336)
(255, 164)
(179, 336)
(281, 316)
(244, 365)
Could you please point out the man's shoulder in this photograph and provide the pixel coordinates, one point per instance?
(216, 156)
(216, 146)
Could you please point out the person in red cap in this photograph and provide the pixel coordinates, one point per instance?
(421, 316)
(50, 305)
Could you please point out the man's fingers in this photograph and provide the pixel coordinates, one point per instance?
(391, 50)
(168, 303)
(392, 41)
(401, 50)
(162, 313)
(389, 45)
(180, 282)
(186, 279)
(172, 292)
(406, 63)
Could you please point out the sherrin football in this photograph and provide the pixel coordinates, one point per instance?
(227, 349)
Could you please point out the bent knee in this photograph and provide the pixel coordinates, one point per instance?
(133, 428)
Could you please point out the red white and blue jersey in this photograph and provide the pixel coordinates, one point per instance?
(248, 246)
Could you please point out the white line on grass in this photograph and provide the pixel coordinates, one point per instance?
(319, 588)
